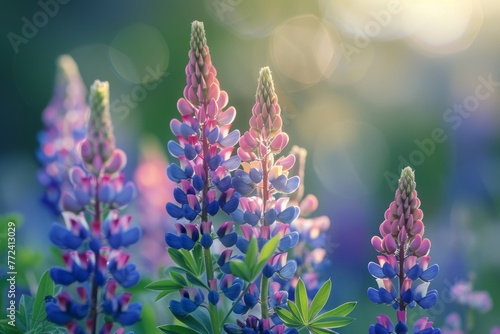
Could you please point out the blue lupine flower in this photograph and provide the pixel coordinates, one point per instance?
(119, 307)
(190, 300)
(124, 273)
(231, 286)
(118, 231)
(63, 308)
(187, 236)
(73, 235)
(227, 235)
(79, 267)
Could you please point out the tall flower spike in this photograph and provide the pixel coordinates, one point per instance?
(97, 188)
(204, 147)
(404, 259)
(64, 121)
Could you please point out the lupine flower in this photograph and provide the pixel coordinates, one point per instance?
(96, 252)
(204, 139)
(404, 258)
(263, 211)
(119, 307)
(478, 300)
(310, 252)
(63, 308)
(64, 121)
(190, 300)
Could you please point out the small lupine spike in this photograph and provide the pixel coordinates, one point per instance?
(100, 132)
(402, 242)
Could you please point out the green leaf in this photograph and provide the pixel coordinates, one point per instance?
(339, 311)
(301, 300)
(163, 294)
(265, 253)
(251, 255)
(165, 285)
(295, 312)
(198, 259)
(240, 269)
(316, 330)
(193, 279)
(288, 317)
(178, 258)
(26, 308)
(176, 329)
(191, 322)
(188, 259)
(333, 322)
(6, 328)
(45, 288)
(178, 278)
(320, 299)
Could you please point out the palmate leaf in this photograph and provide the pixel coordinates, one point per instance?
(252, 266)
(303, 317)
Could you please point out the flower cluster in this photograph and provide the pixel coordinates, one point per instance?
(94, 254)
(64, 121)
(404, 258)
(235, 267)
(264, 212)
(310, 253)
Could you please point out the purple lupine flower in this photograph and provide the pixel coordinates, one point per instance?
(465, 295)
(205, 142)
(96, 186)
(263, 211)
(404, 259)
(64, 128)
(204, 146)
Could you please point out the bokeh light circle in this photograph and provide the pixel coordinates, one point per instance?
(145, 51)
(306, 49)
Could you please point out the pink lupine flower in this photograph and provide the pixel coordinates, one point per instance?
(404, 257)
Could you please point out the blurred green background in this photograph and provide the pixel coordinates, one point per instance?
(367, 87)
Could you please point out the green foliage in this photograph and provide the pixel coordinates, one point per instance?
(252, 266)
(305, 317)
(31, 316)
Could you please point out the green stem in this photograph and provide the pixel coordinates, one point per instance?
(264, 286)
(265, 196)
(234, 305)
(212, 309)
(207, 254)
(95, 288)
